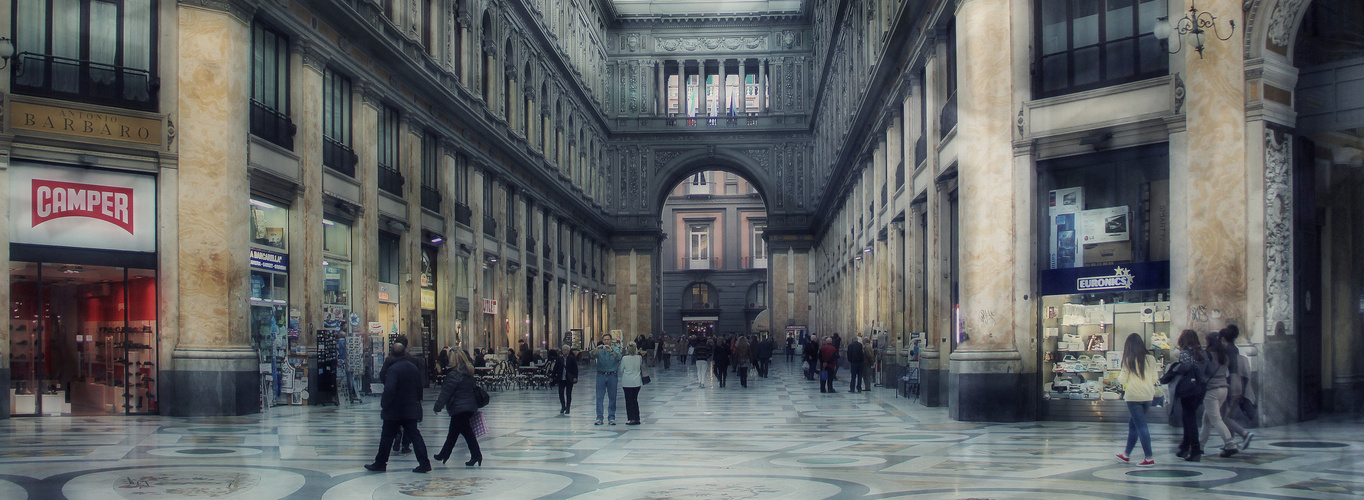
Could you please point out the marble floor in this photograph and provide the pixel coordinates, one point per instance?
(779, 438)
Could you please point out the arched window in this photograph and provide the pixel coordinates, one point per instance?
(757, 296)
(530, 106)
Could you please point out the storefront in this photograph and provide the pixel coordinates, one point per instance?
(271, 330)
(83, 291)
(1105, 275)
(429, 347)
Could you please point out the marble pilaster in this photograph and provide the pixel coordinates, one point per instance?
(4, 280)
(213, 369)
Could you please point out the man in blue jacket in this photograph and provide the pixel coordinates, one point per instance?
(608, 376)
(401, 408)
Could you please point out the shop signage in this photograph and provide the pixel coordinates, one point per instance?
(1120, 280)
(428, 299)
(76, 207)
(489, 306)
(87, 124)
(269, 261)
(388, 293)
(1095, 279)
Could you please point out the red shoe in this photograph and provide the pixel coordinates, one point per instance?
(1124, 457)
(1147, 463)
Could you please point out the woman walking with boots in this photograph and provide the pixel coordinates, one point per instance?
(457, 398)
(1216, 374)
(1189, 390)
(1138, 378)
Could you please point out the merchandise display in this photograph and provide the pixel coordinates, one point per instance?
(1081, 347)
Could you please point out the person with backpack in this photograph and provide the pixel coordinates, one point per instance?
(458, 400)
(1138, 379)
(1186, 375)
(1215, 373)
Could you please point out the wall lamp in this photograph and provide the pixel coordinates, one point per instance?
(1193, 23)
(6, 51)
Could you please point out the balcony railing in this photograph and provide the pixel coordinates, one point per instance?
(512, 235)
(947, 120)
(431, 198)
(489, 226)
(546, 249)
(921, 150)
(754, 262)
(270, 124)
(85, 81)
(690, 264)
(464, 214)
(561, 258)
(339, 157)
(391, 180)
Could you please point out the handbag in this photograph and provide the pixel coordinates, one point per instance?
(646, 379)
(477, 423)
(481, 397)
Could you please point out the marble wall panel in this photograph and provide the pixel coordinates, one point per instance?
(213, 75)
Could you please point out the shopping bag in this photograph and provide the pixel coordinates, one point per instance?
(480, 428)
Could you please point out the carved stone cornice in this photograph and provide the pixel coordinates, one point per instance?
(369, 93)
(243, 10)
(313, 56)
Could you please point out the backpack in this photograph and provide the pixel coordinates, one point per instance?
(1193, 383)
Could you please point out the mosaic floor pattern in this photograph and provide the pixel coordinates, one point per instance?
(778, 438)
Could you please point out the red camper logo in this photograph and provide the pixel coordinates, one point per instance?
(56, 199)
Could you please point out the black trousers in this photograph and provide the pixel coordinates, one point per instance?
(460, 426)
(743, 375)
(403, 439)
(721, 373)
(1188, 419)
(826, 381)
(390, 432)
(632, 404)
(565, 393)
(667, 361)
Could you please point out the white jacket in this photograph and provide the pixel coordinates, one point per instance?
(631, 373)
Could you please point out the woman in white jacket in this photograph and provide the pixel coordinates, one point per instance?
(632, 379)
(1138, 378)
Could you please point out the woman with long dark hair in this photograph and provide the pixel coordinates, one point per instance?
(1138, 378)
(457, 398)
(1191, 359)
(1215, 373)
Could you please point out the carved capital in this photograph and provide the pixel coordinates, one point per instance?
(369, 94)
(243, 10)
(312, 55)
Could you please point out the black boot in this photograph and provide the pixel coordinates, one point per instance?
(1195, 453)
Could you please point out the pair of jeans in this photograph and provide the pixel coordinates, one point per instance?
(606, 386)
(1136, 427)
(1212, 419)
(854, 381)
(461, 425)
(1188, 419)
(566, 394)
(390, 432)
(632, 404)
(667, 361)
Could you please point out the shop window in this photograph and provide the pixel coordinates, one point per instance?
(336, 239)
(431, 157)
(1087, 44)
(270, 86)
(336, 268)
(1105, 220)
(95, 51)
(269, 225)
(337, 152)
(83, 340)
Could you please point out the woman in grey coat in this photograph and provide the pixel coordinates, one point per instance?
(457, 397)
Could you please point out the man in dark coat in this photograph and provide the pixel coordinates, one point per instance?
(566, 374)
(762, 354)
(393, 357)
(401, 408)
(811, 355)
(855, 358)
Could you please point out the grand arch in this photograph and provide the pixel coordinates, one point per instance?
(648, 172)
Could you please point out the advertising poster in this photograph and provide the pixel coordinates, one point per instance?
(1063, 206)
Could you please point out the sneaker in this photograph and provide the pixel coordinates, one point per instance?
(1227, 453)
(1245, 442)
(1147, 463)
(597, 422)
(612, 422)
(1124, 457)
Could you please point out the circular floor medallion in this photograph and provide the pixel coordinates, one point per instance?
(1308, 444)
(913, 437)
(1164, 474)
(719, 488)
(203, 452)
(468, 484)
(828, 461)
(13, 491)
(184, 482)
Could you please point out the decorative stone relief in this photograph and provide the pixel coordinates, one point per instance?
(788, 38)
(1278, 231)
(1179, 93)
(692, 44)
(1281, 21)
(632, 42)
(663, 158)
(759, 156)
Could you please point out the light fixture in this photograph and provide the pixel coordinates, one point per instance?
(437, 240)
(262, 204)
(1195, 23)
(6, 51)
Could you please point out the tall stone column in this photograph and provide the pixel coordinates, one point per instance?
(305, 256)
(213, 367)
(788, 276)
(988, 379)
(636, 258)
(1215, 189)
